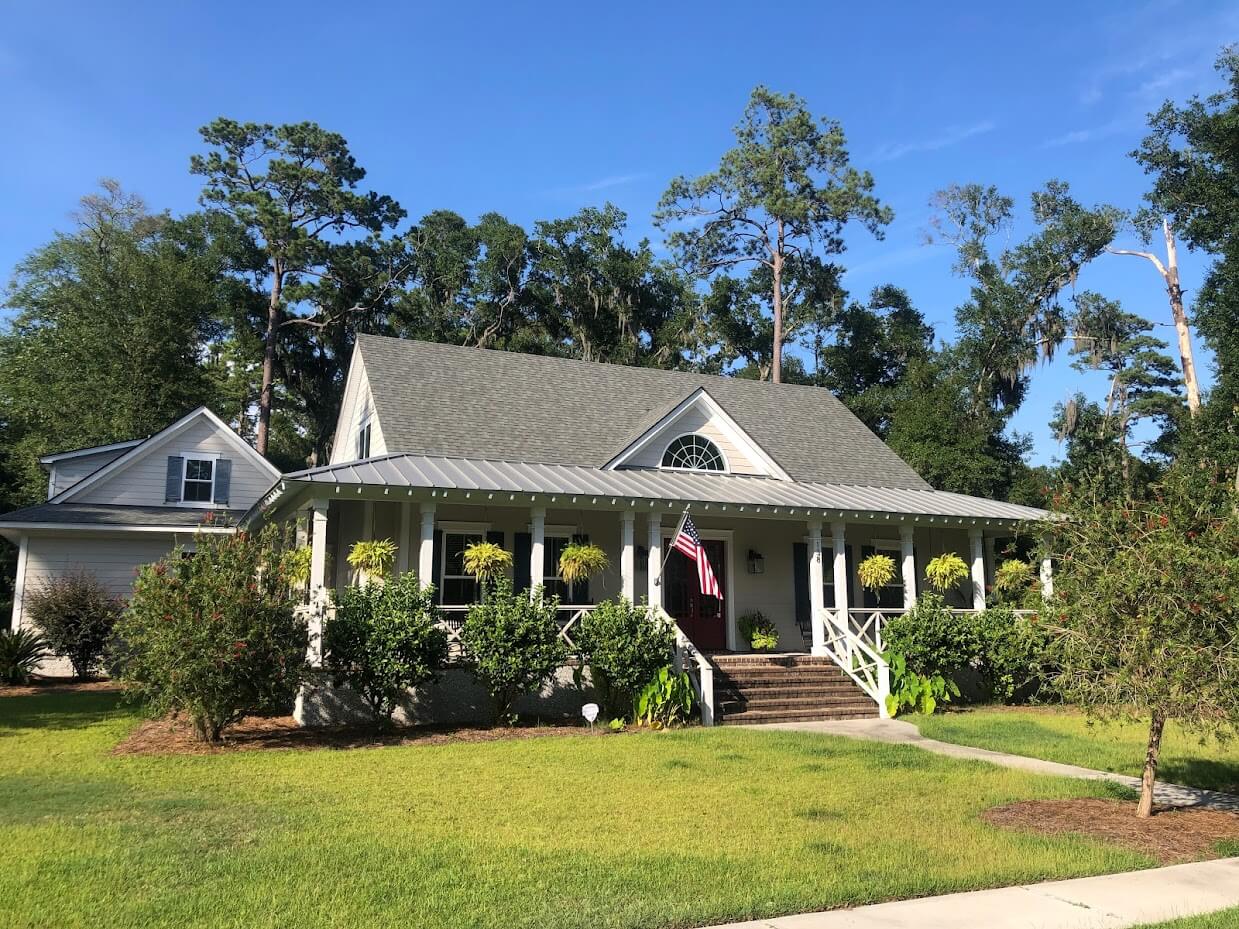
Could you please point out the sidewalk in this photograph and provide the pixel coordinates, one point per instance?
(1109, 902)
(896, 732)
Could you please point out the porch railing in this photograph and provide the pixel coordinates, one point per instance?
(688, 658)
(452, 620)
(859, 655)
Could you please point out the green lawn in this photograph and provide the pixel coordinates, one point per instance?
(1224, 919)
(664, 829)
(1064, 735)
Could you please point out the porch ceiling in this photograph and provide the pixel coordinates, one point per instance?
(754, 495)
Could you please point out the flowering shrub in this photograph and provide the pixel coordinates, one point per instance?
(212, 636)
(75, 615)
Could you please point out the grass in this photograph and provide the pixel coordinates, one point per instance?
(1223, 919)
(1064, 735)
(668, 829)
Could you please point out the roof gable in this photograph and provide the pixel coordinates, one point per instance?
(436, 399)
(160, 439)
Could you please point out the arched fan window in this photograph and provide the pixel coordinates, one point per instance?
(694, 453)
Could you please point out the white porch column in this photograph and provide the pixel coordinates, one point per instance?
(978, 568)
(1047, 578)
(19, 585)
(628, 556)
(367, 534)
(537, 536)
(840, 552)
(318, 580)
(405, 542)
(816, 606)
(908, 551)
(654, 545)
(426, 547)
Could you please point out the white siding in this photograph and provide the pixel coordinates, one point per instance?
(355, 406)
(141, 482)
(69, 471)
(701, 421)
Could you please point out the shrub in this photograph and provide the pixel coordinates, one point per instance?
(21, 651)
(513, 644)
(920, 693)
(876, 571)
(946, 571)
(931, 638)
(75, 614)
(758, 631)
(382, 642)
(1012, 654)
(213, 636)
(624, 649)
(666, 701)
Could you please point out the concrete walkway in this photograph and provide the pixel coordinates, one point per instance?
(1109, 902)
(895, 732)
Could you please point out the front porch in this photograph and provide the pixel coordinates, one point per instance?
(794, 565)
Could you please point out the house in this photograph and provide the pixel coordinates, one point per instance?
(112, 508)
(439, 446)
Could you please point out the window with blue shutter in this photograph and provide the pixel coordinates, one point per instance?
(172, 485)
(223, 481)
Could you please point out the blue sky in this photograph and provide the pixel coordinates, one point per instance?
(537, 110)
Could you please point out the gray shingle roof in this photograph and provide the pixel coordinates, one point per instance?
(421, 471)
(98, 514)
(435, 399)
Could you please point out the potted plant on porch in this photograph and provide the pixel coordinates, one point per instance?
(581, 561)
(759, 632)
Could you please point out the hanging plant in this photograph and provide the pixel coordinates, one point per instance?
(946, 571)
(295, 563)
(373, 557)
(1013, 577)
(876, 571)
(486, 560)
(580, 561)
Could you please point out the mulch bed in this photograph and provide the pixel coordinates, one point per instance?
(58, 686)
(254, 733)
(1171, 835)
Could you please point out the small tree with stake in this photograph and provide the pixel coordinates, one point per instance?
(1145, 612)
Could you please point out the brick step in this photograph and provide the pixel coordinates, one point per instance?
(787, 678)
(807, 690)
(807, 704)
(725, 662)
(759, 717)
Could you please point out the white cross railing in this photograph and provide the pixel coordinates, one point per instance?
(859, 655)
(688, 658)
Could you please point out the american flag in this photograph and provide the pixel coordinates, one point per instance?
(689, 542)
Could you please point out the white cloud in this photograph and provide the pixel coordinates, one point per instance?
(951, 136)
(1089, 134)
(603, 183)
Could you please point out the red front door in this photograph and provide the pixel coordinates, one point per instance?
(702, 618)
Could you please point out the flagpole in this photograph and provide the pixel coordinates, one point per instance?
(667, 554)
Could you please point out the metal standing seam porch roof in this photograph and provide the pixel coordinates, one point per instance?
(475, 474)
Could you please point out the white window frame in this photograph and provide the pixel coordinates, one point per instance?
(462, 529)
(726, 469)
(364, 431)
(567, 533)
(186, 458)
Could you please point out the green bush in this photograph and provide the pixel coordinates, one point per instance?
(75, 614)
(513, 644)
(213, 636)
(758, 631)
(920, 693)
(931, 638)
(666, 701)
(624, 649)
(1012, 655)
(382, 642)
(21, 651)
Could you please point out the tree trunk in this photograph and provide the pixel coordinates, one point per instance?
(1180, 320)
(266, 394)
(776, 354)
(1149, 778)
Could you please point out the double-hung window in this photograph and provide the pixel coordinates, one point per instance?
(363, 439)
(457, 586)
(198, 480)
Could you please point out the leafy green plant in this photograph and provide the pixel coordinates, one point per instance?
(758, 631)
(296, 565)
(213, 637)
(21, 652)
(623, 649)
(666, 701)
(1013, 657)
(581, 560)
(946, 572)
(382, 642)
(920, 693)
(932, 638)
(512, 642)
(486, 561)
(373, 557)
(1017, 585)
(75, 614)
(876, 571)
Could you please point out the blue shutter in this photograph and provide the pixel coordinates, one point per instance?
(495, 536)
(172, 485)
(223, 480)
(800, 582)
(436, 564)
(522, 549)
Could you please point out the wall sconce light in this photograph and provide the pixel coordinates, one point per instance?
(757, 564)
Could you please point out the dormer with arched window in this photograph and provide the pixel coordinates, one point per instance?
(693, 452)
